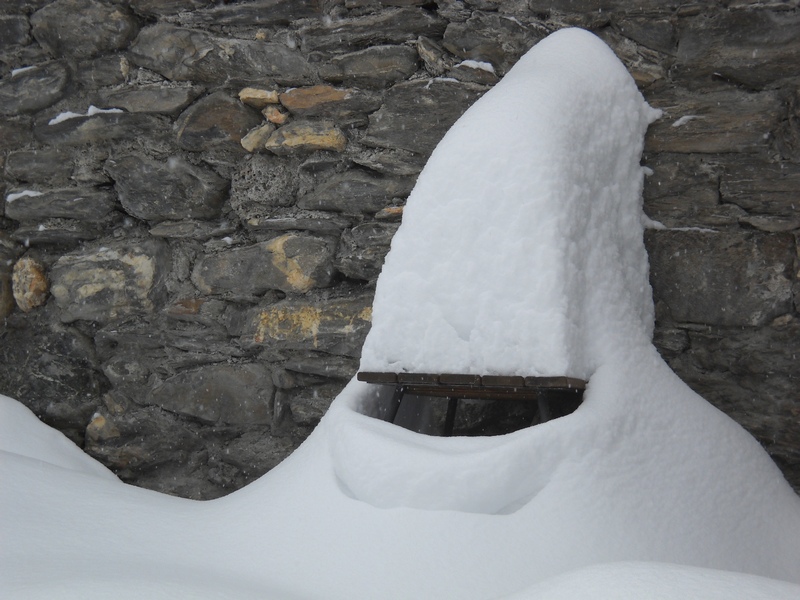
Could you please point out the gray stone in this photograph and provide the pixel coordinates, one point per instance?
(601, 6)
(39, 166)
(166, 7)
(53, 370)
(323, 365)
(355, 192)
(262, 13)
(341, 105)
(189, 55)
(771, 224)
(377, 67)
(787, 136)
(171, 189)
(215, 121)
(33, 89)
(436, 60)
(765, 48)
(492, 38)
(362, 250)
(416, 114)
(308, 404)
(750, 374)
(110, 282)
(393, 26)
(390, 162)
(14, 31)
(100, 128)
(13, 134)
(226, 393)
(716, 278)
(653, 31)
(646, 66)
(161, 99)
(263, 183)
(103, 71)
(762, 188)
(683, 191)
(372, 3)
(321, 225)
(83, 28)
(254, 453)
(192, 230)
(133, 440)
(719, 121)
(670, 341)
(64, 233)
(474, 72)
(82, 204)
(290, 263)
(336, 326)
(6, 289)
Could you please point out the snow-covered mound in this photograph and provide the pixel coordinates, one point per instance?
(521, 248)
(644, 471)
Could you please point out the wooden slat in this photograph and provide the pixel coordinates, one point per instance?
(464, 385)
(473, 393)
(459, 379)
(556, 382)
(503, 380)
(381, 378)
(427, 378)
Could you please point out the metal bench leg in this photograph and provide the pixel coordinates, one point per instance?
(450, 419)
(397, 398)
(544, 407)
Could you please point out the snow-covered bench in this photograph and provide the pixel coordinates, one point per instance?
(455, 386)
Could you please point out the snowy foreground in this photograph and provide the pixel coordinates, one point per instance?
(526, 258)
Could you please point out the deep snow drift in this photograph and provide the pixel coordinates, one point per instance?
(533, 235)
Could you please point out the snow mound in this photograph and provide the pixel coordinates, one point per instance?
(645, 473)
(520, 251)
(22, 434)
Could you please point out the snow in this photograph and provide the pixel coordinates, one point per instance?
(15, 72)
(685, 119)
(512, 220)
(24, 193)
(534, 232)
(92, 110)
(476, 64)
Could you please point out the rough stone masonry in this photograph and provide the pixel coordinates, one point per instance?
(197, 197)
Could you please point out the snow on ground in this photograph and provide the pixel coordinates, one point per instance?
(533, 235)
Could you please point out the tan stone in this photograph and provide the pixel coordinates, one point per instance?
(273, 114)
(304, 99)
(255, 139)
(390, 213)
(311, 326)
(101, 429)
(258, 98)
(307, 136)
(29, 284)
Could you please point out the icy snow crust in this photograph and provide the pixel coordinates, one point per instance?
(645, 491)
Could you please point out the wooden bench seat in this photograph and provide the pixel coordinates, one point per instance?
(455, 386)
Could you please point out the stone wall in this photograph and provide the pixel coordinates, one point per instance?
(187, 262)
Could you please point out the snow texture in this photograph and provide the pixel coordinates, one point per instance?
(24, 193)
(521, 247)
(93, 110)
(645, 491)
